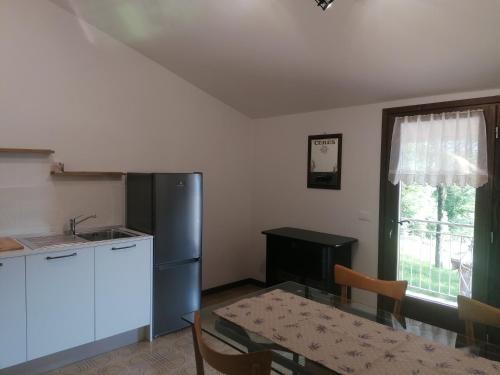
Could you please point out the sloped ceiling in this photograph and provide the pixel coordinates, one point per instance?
(273, 57)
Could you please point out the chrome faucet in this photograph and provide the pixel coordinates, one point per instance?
(74, 222)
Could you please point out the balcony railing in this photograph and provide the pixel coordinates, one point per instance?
(436, 259)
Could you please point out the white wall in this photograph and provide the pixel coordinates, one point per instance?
(282, 199)
(102, 106)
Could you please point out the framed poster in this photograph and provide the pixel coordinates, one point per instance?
(324, 161)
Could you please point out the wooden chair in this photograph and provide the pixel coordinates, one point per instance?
(393, 289)
(472, 311)
(258, 363)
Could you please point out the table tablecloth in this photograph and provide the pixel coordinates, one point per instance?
(346, 343)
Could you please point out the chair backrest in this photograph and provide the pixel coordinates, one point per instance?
(346, 277)
(472, 311)
(258, 363)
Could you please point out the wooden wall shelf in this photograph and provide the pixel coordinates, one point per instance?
(40, 151)
(75, 174)
(88, 174)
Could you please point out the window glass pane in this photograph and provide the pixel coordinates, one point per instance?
(436, 239)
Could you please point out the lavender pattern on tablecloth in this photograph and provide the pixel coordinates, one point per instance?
(347, 343)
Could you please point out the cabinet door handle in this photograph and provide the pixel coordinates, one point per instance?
(124, 247)
(1, 264)
(62, 256)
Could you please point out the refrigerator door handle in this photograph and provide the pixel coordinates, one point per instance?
(163, 267)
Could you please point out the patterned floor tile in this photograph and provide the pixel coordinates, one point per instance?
(172, 354)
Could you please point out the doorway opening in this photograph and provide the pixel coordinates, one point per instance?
(440, 206)
(436, 241)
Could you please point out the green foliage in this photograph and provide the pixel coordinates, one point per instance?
(460, 204)
(436, 281)
(421, 202)
(452, 204)
(457, 207)
(416, 201)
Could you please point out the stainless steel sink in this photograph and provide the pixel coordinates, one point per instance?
(39, 242)
(106, 234)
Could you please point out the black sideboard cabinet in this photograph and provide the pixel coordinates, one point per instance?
(306, 257)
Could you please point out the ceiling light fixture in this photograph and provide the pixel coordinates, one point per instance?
(324, 4)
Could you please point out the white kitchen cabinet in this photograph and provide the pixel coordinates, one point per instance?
(60, 301)
(122, 287)
(12, 312)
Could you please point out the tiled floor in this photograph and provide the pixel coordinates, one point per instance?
(220, 297)
(171, 354)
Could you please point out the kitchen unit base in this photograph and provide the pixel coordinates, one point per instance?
(12, 312)
(56, 301)
(67, 357)
(60, 301)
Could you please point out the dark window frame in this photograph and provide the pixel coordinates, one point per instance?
(487, 202)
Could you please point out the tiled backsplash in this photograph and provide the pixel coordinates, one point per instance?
(31, 201)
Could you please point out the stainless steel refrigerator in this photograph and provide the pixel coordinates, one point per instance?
(169, 206)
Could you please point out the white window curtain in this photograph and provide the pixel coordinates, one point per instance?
(440, 149)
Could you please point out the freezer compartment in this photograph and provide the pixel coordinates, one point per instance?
(177, 291)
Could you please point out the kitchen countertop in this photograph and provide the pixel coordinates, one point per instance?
(79, 243)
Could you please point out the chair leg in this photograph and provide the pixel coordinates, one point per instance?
(197, 355)
(296, 360)
(343, 294)
(469, 333)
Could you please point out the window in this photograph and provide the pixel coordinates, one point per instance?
(438, 160)
(436, 241)
(438, 206)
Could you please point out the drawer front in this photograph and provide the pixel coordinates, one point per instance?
(60, 301)
(12, 312)
(123, 287)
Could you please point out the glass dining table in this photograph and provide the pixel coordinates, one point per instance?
(286, 361)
